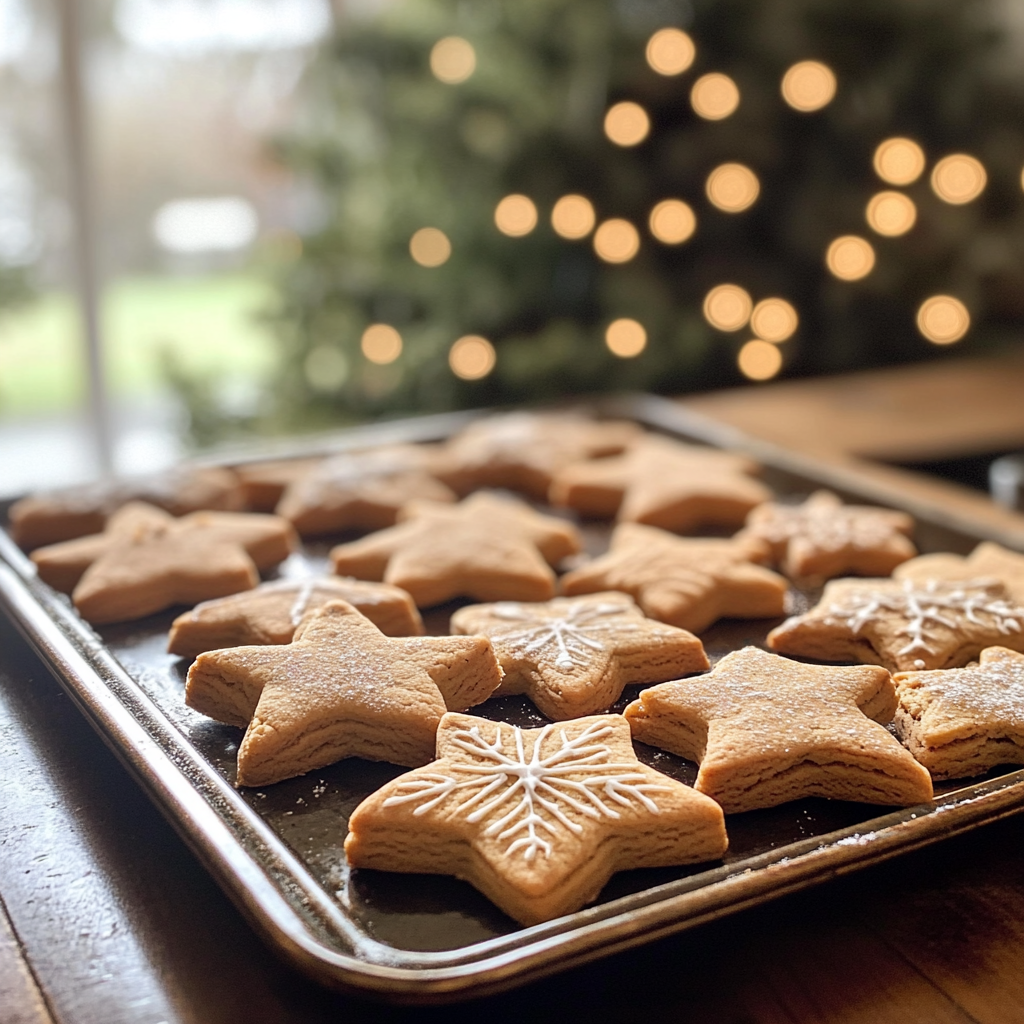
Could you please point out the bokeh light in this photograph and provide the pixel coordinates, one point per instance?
(809, 86)
(625, 338)
(727, 307)
(899, 161)
(714, 96)
(774, 320)
(627, 124)
(759, 360)
(452, 60)
(891, 213)
(943, 319)
(958, 178)
(325, 368)
(733, 188)
(381, 344)
(430, 247)
(672, 221)
(472, 357)
(516, 215)
(850, 258)
(670, 51)
(573, 217)
(616, 241)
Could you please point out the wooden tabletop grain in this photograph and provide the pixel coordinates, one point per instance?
(107, 918)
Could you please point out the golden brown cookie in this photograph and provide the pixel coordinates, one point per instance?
(574, 655)
(521, 451)
(146, 560)
(766, 730)
(488, 547)
(665, 483)
(987, 560)
(537, 819)
(263, 483)
(689, 583)
(339, 689)
(904, 624)
(822, 538)
(961, 722)
(361, 490)
(271, 613)
(53, 516)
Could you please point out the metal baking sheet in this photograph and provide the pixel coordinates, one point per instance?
(278, 851)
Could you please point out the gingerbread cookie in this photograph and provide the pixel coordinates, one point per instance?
(823, 538)
(521, 451)
(339, 689)
(361, 490)
(961, 722)
(987, 560)
(53, 516)
(766, 730)
(146, 560)
(271, 613)
(689, 583)
(904, 624)
(573, 656)
(536, 819)
(487, 547)
(264, 483)
(665, 483)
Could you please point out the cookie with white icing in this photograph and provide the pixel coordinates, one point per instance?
(537, 819)
(904, 624)
(766, 730)
(271, 613)
(574, 655)
(963, 721)
(339, 689)
(822, 538)
(987, 560)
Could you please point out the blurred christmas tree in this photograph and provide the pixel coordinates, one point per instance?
(428, 113)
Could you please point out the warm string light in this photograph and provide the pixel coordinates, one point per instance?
(381, 344)
(759, 360)
(627, 124)
(573, 217)
(774, 320)
(899, 161)
(943, 319)
(625, 338)
(714, 96)
(430, 247)
(891, 213)
(515, 215)
(850, 258)
(727, 307)
(616, 241)
(733, 188)
(672, 221)
(670, 51)
(958, 178)
(452, 60)
(472, 357)
(809, 86)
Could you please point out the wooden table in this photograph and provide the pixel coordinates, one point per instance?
(107, 917)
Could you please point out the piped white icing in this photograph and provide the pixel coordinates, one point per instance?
(534, 793)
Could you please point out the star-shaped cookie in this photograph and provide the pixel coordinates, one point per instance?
(987, 560)
(488, 547)
(53, 516)
(661, 482)
(361, 490)
(823, 538)
(271, 613)
(339, 689)
(904, 624)
(521, 451)
(689, 583)
(961, 722)
(264, 483)
(146, 560)
(766, 730)
(574, 655)
(536, 819)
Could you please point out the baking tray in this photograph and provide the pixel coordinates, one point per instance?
(278, 851)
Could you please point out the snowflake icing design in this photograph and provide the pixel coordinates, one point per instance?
(926, 606)
(536, 792)
(569, 634)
